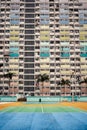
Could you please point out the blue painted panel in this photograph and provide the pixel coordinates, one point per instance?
(64, 43)
(14, 49)
(83, 54)
(85, 21)
(14, 43)
(45, 11)
(14, 22)
(83, 43)
(44, 54)
(85, 48)
(81, 22)
(85, 11)
(44, 43)
(44, 16)
(64, 22)
(81, 15)
(44, 22)
(14, 55)
(65, 49)
(44, 49)
(15, 11)
(14, 16)
(82, 49)
(64, 16)
(66, 55)
(63, 10)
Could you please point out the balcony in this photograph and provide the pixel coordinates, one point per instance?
(5, 90)
(21, 91)
(77, 50)
(36, 73)
(58, 78)
(21, 61)
(37, 67)
(59, 91)
(53, 91)
(52, 78)
(21, 55)
(37, 91)
(72, 56)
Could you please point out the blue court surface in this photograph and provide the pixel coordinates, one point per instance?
(43, 121)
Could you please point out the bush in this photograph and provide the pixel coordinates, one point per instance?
(22, 99)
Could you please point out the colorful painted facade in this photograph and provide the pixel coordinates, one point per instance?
(43, 36)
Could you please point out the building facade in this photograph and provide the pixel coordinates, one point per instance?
(43, 36)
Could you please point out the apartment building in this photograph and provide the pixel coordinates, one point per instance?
(43, 36)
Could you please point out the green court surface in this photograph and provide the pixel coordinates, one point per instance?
(41, 108)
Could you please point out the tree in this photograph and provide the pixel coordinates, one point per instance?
(9, 75)
(85, 81)
(1, 64)
(64, 82)
(42, 78)
(1, 91)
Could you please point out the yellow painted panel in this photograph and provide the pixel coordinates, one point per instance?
(14, 38)
(44, 27)
(46, 60)
(44, 32)
(13, 66)
(14, 32)
(15, 71)
(83, 66)
(64, 27)
(83, 32)
(44, 66)
(65, 60)
(85, 25)
(64, 32)
(65, 72)
(82, 37)
(65, 66)
(83, 72)
(14, 27)
(13, 60)
(44, 72)
(83, 60)
(43, 38)
(64, 38)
